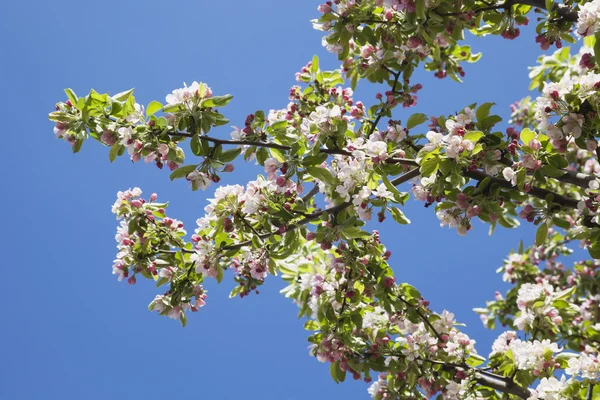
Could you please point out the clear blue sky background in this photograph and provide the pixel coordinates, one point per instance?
(69, 330)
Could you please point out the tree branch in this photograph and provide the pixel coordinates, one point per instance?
(496, 382)
(423, 318)
(565, 13)
(392, 160)
(575, 178)
(535, 191)
(380, 113)
(315, 215)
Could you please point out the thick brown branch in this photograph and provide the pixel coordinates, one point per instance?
(502, 384)
(577, 178)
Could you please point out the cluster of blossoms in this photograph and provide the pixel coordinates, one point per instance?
(534, 301)
(369, 55)
(392, 338)
(164, 306)
(552, 103)
(588, 207)
(144, 225)
(454, 142)
(145, 237)
(588, 20)
(583, 365)
(536, 356)
(189, 96)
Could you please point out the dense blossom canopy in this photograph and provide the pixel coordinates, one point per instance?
(332, 162)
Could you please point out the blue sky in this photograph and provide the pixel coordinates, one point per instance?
(69, 329)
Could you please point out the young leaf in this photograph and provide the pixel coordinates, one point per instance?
(415, 119)
(217, 101)
(114, 152)
(541, 234)
(182, 172)
(399, 216)
(153, 108)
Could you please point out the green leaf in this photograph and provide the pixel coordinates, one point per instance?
(398, 197)
(399, 216)
(354, 232)
(229, 155)
(114, 151)
(321, 174)
(541, 234)
(72, 96)
(527, 136)
(153, 108)
(553, 172)
(312, 325)
(430, 166)
(315, 65)
(473, 136)
(475, 360)
(333, 371)
(216, 101)
(421, 9)
(314, 160)
(594, 251)
(196, 145)
(415, 119)
(123, 96)
(182, 172)
(483, 111)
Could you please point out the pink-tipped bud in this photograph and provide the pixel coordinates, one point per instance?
(535, 144)
(228, 168)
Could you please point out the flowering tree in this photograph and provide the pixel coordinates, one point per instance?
(331, 162)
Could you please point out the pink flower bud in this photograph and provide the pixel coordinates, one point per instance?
(228, 168)
(462, 201)
(535, 144)
(281, 181)
(163, 149)
(172, 165)
(153, 197)
(473, 211)
(389, 281)
(108, 138)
